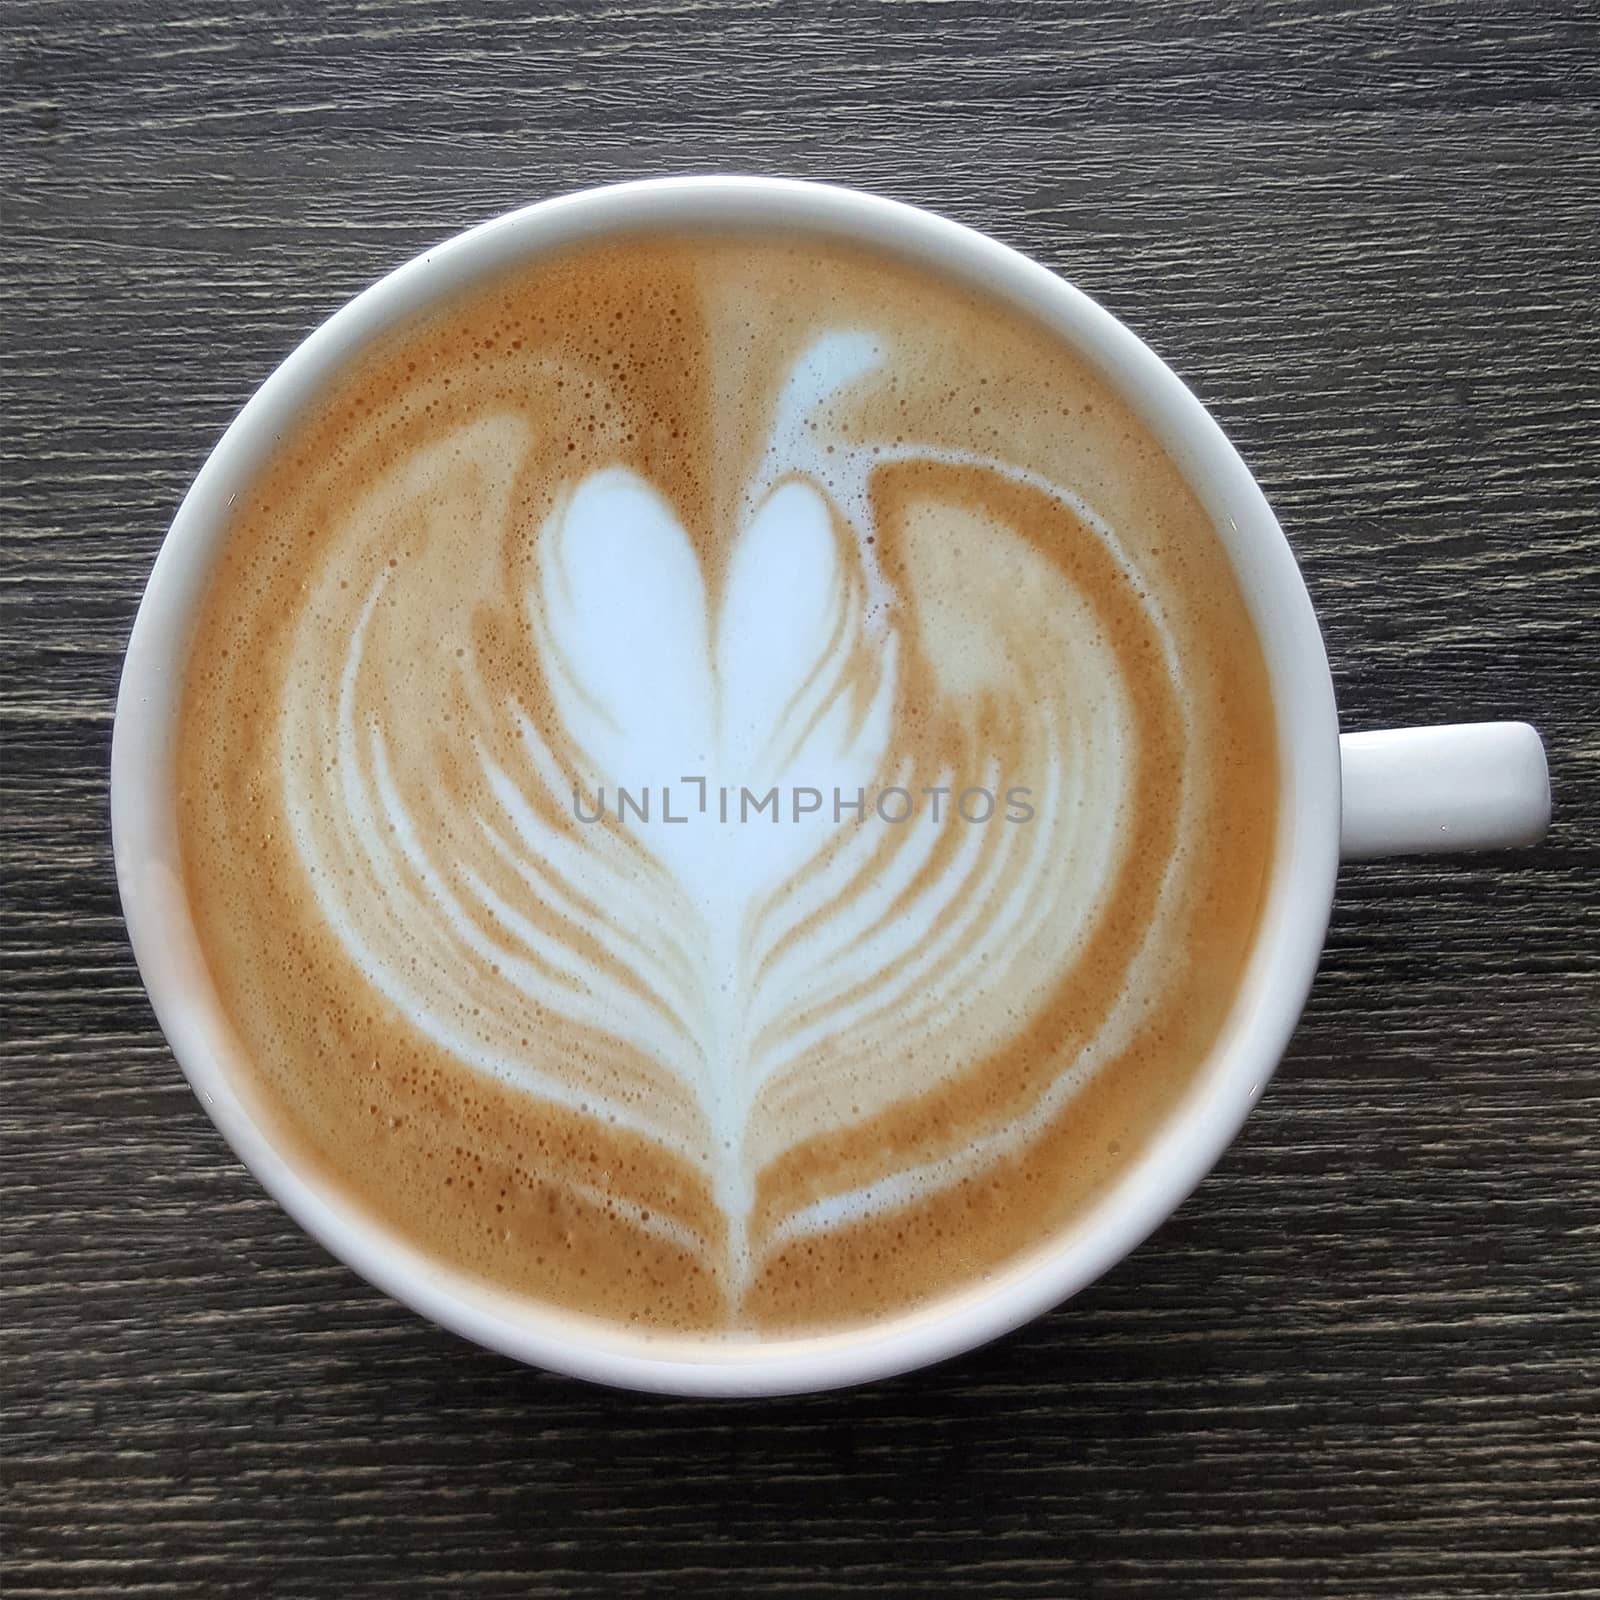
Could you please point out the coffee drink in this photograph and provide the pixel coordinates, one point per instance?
(726, 784)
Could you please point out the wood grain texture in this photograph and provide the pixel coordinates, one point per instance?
(1361, 1361)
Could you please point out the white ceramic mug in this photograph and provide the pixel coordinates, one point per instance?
(1414, 789)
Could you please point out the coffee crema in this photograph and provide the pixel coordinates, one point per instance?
(722, 513)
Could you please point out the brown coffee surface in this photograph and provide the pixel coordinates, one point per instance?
(773, 514)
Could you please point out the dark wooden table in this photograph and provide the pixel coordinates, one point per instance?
(1361, 1361)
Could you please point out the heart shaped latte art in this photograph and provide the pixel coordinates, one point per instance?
(816, 1016)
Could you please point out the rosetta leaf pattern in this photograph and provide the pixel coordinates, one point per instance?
(726, 989)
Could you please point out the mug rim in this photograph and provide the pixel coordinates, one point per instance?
(1150, 1187)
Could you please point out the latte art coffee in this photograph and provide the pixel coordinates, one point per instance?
(540, 763)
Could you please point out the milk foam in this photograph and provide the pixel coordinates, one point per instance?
(823, 1030)
(739, 957)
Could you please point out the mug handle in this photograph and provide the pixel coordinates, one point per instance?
(1466, 786)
